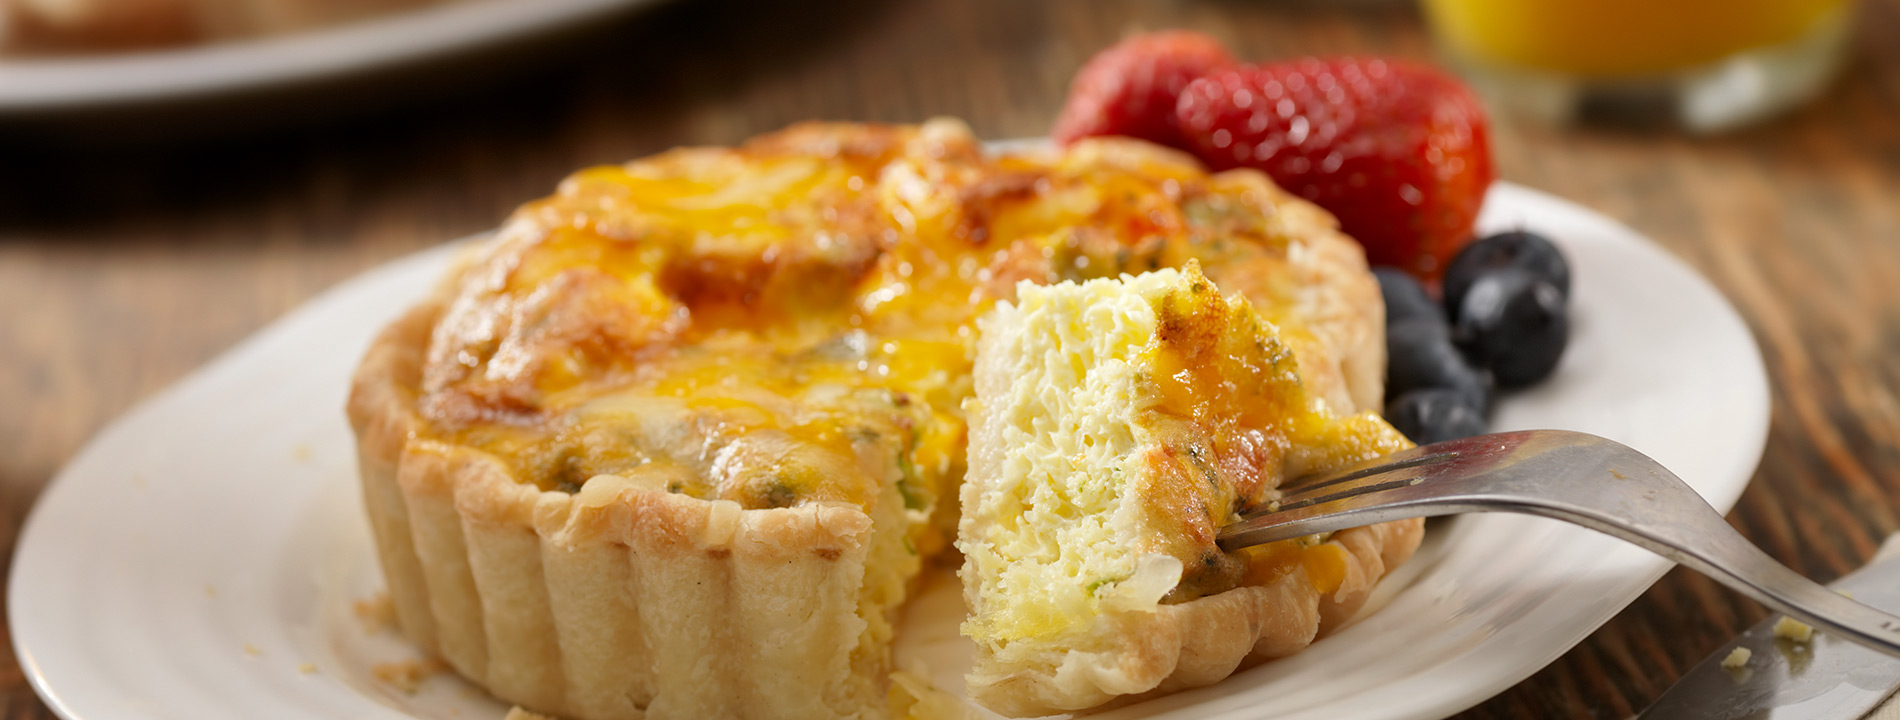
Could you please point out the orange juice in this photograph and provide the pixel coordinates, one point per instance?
(1620, 38)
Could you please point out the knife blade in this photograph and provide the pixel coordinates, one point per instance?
(1826, 678)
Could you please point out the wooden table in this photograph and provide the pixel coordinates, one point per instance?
(123, 268)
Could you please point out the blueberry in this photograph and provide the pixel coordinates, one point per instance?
(1420, 355)
(1405, 299)
(1434, 415)
(1512, 322)
(1520, 249)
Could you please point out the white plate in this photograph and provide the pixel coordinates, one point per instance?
(39, 84)
(200, 557)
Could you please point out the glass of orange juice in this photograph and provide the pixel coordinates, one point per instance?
(1703, 64)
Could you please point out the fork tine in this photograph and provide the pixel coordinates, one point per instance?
(1366, 504)
(1359, 479)
(1371, 483)
(1341, 499)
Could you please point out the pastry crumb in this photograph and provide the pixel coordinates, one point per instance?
(300, 452)
(211, 590)
(407, 675)
(517, 713)
(1737, 658)
(253, 650)
(1790, 629)
(1845, 594)
(378, 613)
(307, 668)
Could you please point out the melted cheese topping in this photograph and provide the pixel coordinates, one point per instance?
(792, 320)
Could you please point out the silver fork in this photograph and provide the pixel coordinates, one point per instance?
(1583, 479)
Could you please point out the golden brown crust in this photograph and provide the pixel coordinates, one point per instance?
(1206, 640)
(620, 601)
(1343, 310)
(1202, 641)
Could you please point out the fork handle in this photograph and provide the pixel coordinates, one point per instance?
(1723, 554)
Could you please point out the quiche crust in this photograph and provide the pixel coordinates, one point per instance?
(620, 601)
(1202, 641)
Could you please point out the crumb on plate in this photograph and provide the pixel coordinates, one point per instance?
(1788, 628)
(407, 675)
(378, 613)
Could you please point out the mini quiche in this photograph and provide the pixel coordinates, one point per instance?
(675, 442)
(1117, 425)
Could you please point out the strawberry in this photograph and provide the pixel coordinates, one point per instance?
(1396, 151)
(1130, 89)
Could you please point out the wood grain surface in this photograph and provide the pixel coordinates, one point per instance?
(123, 265)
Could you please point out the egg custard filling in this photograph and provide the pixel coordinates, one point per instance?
(1119, 423)
(676, 441)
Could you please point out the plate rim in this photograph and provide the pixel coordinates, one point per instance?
(1749, 451)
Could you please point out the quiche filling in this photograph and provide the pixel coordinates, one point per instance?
(1128, 421)
(792, 321)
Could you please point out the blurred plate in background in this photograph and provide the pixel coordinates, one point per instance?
(65, 84)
